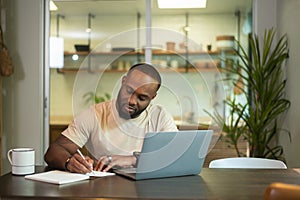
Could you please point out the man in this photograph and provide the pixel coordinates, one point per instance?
(111, 131)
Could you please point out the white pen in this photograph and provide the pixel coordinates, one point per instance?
(78, 151)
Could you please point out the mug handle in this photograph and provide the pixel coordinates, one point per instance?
(9, 153)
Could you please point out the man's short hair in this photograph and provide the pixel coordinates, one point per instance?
(147, 69)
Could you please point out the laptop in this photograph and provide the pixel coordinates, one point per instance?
(170, 154)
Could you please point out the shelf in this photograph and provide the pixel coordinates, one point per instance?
(203, 61)
(162, 70)
(85, 53)
(154, 52)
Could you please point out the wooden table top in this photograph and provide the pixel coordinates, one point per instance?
(210, 184)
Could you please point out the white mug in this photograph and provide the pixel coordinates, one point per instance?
(22, 160)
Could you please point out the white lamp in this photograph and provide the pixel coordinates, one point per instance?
(56, 52)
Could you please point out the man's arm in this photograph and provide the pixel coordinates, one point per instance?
(61, 154)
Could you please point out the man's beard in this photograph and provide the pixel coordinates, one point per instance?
(124, 110)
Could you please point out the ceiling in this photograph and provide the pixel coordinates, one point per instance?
(116, 7)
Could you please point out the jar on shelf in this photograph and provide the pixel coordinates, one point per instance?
(170, 46)
(225, 42)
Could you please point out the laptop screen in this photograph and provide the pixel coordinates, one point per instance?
(173, 153)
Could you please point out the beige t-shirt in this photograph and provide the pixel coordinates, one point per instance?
(103, 132)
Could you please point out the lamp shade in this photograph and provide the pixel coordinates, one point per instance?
(56, 52)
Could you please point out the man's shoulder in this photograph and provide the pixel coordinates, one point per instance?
(156, 108)
(103, 105)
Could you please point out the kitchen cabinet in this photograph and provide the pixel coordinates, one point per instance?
(166, 61)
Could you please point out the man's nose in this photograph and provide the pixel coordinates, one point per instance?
(132, 99)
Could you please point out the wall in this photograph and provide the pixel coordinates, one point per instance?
(204, 28)
(64, 101)
(288, 11)
(279, 15)
(23, 91)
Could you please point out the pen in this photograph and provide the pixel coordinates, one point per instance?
(78, 151)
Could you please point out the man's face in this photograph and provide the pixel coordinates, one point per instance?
(137, 91)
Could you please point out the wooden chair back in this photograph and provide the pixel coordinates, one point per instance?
(282, 191)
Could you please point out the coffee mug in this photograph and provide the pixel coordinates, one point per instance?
(22, 160)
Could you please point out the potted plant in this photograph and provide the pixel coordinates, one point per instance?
(92, 97)
(258, 120)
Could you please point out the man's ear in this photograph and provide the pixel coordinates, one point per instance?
(124, 79)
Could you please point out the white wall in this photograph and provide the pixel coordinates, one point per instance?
(23, 91)
(288, 14)
(204, 28)
(264, 15)
(283, 15)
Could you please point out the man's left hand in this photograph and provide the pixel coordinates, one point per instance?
(105, 163)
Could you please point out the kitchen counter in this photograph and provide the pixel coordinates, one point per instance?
(61, 120)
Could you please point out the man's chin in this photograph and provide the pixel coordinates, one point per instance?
(128, 115)
(125, 115)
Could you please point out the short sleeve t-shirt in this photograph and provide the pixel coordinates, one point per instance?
(103, 132)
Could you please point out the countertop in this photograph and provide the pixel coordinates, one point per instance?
(61, 120)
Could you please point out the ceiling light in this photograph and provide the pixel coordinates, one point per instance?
(181, 3)
(52, 6)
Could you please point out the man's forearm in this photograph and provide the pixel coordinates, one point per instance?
(56, 156)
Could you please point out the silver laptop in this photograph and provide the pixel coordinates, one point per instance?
(169, 154)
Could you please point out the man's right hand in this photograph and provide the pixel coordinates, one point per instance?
(63, 148)
(77, 164)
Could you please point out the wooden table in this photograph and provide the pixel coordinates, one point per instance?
(210, 184)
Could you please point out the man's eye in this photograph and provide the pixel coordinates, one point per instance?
(129, 90)
(142, 98)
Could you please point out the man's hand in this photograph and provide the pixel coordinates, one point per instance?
(63, 148)
(105, 163)
(79, 165)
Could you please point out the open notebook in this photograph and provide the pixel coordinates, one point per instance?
(64, 177)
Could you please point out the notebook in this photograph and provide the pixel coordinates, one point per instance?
(169, 154)
(63, 177)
